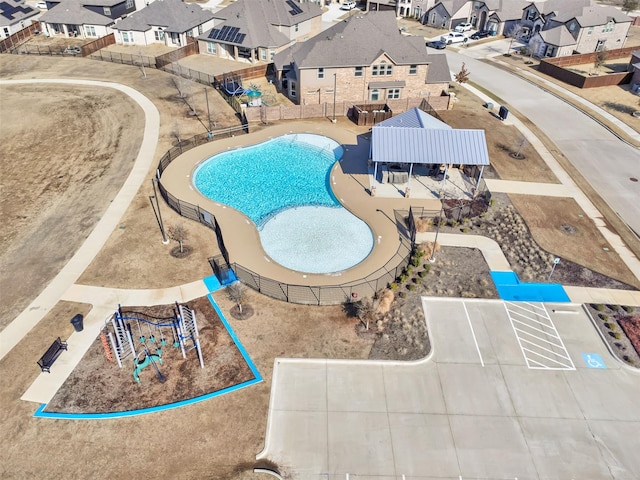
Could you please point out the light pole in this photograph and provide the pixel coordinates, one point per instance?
(160, 223)
(435, 241)
(335, 82)
(206, 96)
(556, 261)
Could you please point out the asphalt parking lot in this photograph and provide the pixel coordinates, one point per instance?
(509, 391)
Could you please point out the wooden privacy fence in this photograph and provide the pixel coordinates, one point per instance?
(174, 56)
(558, 68)
(19, 37)
(98, 44)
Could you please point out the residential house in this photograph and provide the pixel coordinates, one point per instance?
(447, 14)
(14, 16)
(343, 56)
(170, 22)
(84, 18)
(494, 15)
(254, 30)
(586, 29)
(634, 67)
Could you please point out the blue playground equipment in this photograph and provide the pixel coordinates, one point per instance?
(133, 333)
(232, 84)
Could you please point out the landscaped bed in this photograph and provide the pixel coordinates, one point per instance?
(620, 328)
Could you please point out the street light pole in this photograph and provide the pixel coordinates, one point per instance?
(556, 261)
(335, 82)
(435, 241)
(206, 96)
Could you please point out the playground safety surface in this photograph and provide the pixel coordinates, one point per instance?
(99, 386)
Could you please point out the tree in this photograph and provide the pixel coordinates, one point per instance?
(629, 5)
(178, 233)
(514, 32)
(365, 311)
(463, 75)
(534, 46)
(237, 294)
(600, 59)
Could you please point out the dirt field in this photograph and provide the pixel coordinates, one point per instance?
(212, 439)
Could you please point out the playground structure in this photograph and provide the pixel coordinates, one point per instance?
(133, 333)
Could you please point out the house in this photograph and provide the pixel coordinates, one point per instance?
(393, 67)
(170, 22)
(586, 29)
(493, 15)
(14, 16)
(84, 18)
(414, 142)
(254, 30)
(634, 67)
(447, 13)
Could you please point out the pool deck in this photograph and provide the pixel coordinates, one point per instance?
(350, 181)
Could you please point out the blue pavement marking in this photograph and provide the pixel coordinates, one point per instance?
(510, 288)
(40, 413)
(593, 360)
(212, 283)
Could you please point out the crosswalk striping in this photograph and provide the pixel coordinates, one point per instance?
(538, 337)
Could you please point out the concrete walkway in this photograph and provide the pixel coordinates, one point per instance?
(30, 316)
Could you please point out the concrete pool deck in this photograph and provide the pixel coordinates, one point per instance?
(350, 181)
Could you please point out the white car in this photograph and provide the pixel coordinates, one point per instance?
(463, 27)
(349, 5)
(453, 37)
(41, 5)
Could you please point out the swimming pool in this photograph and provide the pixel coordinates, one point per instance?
(271, 183)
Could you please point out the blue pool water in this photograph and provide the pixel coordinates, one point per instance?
(283, 185)
(264, 179)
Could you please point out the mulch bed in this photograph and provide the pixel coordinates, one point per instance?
(620, 329)
(99, 386)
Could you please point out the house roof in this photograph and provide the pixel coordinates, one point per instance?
(558, 36)
(451, 6)
(173, 15)
(510, 9)
(429, 146)
(598, 15)
(74, 12)
(14, 11)
(438, 68)
(348, 44)
(414, 118)
(566, 8)
(256, 23)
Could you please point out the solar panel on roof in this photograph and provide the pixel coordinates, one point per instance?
(214, 33)
(231, 33)
(295, 8)
(240, 38)
(8, 11)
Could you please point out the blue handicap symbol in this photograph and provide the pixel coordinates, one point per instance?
(593, 360)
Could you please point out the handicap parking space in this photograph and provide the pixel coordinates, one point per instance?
(474, 409)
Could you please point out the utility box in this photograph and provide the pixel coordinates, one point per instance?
(504, 112)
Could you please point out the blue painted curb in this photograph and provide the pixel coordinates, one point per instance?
(40, 413)
(510, 288)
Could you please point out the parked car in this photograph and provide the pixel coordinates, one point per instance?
(348, 5)
(481, 34)
(453, 37)
(437, 44)
(41, 5)
(463, 27)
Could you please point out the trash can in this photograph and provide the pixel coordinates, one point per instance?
(503, 113)
(77, 322)
(489, 105)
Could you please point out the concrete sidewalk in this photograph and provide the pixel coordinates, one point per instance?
(30, 316)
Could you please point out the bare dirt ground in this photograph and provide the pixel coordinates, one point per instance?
(65, 145)
(214, 439)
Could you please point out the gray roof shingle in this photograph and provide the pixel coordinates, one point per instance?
(348, 43)
(74, 12)
(173, 15)
(558, 36)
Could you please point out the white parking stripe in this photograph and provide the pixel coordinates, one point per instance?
(541, 345)
(473, 333)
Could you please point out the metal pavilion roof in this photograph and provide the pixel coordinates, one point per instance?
(429, 146)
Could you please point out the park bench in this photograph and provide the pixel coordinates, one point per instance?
(51, 354)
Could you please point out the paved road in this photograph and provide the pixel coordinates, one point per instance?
(511, 391)
(605, 161)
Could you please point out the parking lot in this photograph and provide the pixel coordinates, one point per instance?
(485, 404)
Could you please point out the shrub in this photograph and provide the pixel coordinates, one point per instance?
(415, 261)
(427, 267)
(610, 326)
(408, 270)
(599, 307)
(602, 316)
(403, 278)
(411, 287)
(617, 335)
(402, 294)
(614, 308)
(628, 309)
(393, 286)
(465, 230)
(423, 273)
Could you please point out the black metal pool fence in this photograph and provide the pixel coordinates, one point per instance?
(301, 294)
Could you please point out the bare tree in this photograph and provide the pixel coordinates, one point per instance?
(629, 5)
(365, 311)
(237, 294)
(514, 33)
(178, 233)
(534, 46)
(600, 59)
(175, 131)
(463, 75)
